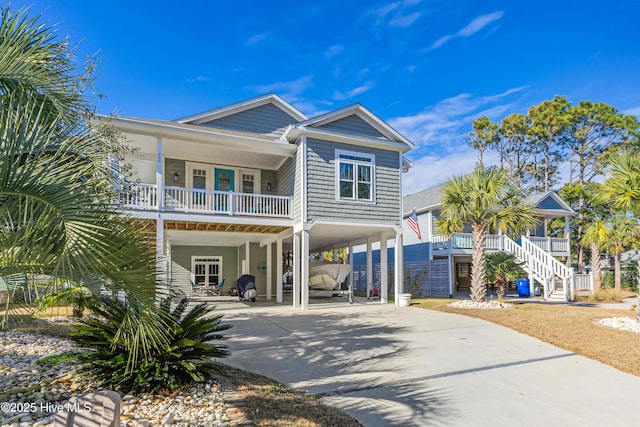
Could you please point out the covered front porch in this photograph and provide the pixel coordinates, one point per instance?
(192, 253)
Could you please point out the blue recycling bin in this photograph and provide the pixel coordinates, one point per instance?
(523, 288)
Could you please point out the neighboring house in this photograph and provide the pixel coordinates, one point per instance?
(445, 263)
(236, 189)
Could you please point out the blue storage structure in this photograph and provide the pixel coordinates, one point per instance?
(523, 288)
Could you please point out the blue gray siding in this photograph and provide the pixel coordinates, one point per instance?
(321, 186)
(285, 177)
(354, 125)
(265, 119)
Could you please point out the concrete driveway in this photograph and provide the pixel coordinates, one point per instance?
(403, 366)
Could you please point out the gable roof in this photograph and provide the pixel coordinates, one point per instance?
(360, 111)
(432, 198)
(271, 98)
(376, 132)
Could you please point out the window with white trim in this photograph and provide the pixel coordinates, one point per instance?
(355, 176)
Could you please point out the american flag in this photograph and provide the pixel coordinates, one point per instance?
(413, 223)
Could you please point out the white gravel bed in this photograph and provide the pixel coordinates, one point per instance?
(484, 305)
(624, 323)
(30, 394)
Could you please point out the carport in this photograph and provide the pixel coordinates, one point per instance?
(319, 236)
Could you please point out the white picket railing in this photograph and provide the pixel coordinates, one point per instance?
(550, 266)
(465, 241)
(145, 196)
(551, 244)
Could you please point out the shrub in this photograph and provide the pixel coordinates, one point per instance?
(124, 362)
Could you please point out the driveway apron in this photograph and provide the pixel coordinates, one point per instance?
(404, 366)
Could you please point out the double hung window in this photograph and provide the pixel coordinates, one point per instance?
(355, 176)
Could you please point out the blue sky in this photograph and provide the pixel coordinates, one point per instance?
(428, 68)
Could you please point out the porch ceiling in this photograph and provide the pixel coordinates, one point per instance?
(212, 238)
(330, 236)
(221, 227)
(192, 151)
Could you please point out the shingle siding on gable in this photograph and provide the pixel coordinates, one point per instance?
(321, 186)
(549, 203)
(353, 125)
(265, 119)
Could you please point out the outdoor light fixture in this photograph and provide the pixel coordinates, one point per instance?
(268, 185)
(176, 177)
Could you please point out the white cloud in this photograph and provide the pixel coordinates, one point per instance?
(197, 79)
(334, 50)
(257, 38)
(337, 95)
(632, 112)
(403, 21)
(396, 15)
(290, 90)
(471, 28)
(439, 133)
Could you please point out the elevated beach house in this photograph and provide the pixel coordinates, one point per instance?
(446, 262)
(257, 186)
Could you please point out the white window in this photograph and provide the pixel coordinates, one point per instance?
(248, 183)
(355, 176)
(206, 271)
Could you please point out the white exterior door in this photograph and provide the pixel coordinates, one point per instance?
(206, 271)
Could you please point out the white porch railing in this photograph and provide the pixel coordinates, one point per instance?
(145, 196)
(551, 244)
(494, 242)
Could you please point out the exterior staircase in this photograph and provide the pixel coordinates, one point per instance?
(556, 279)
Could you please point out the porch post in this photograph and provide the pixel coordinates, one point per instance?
(398, 273)
(269, 270)
(160, 258)
(304, 270)
(384, 266)
(296, 270)
(452, 283)
(369, 268)
(247, 256)
(567, 234)
(279, 283)
(159, 174)
(350, 248)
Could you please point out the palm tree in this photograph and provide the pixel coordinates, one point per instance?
(622, 189)
(34, 60)
(57, 211)
(501, 268)
(488, 200)
(595, 237)
(622, 235)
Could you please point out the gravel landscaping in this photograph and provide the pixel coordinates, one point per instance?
(32, 394)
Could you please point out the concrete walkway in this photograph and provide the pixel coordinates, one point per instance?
(404, 366)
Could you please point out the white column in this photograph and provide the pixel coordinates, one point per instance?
(160, 173)
(384, 264)
(369, 268)
(269, 270)
(452, 281)
(247, 260)
(304, 270)
(279, 271)
(567, 232)
(351, 265)
(296, 270)
(160, 258)
(399, 286)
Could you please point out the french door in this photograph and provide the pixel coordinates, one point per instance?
(206, 271)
